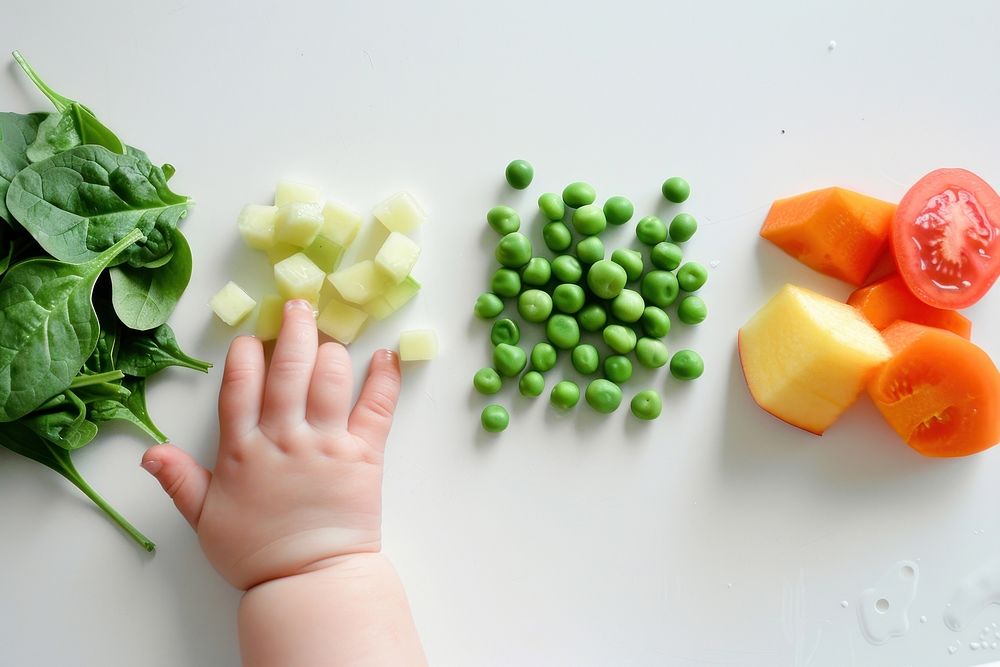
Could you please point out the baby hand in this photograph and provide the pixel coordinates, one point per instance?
(298, 479)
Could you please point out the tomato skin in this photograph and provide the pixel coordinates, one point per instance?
(946, 238)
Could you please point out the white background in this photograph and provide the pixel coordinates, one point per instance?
(714, 536)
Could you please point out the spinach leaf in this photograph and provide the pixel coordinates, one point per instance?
(56, 134)
(108, 410)
(73, 116)
(48, 327)
(21, 440)
(78, 203)
(144, 298)
(62, 420)
(144, 353)
(16, 134)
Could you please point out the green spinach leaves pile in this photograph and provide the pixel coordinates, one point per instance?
(92, 263)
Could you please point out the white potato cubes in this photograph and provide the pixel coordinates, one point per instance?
(400, 213)
(397, 256)
(232, 304)
(418, 345)
(360, 283)
(298, 223)
(341, 321)
(289, 192)
(298, 277)
(256, 224)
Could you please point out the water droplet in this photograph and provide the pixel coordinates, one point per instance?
(923, 619)
(729, 585)
(974, 646)
(883, 610)
(844, 604)
(993, 645)
(714, 263)
(832, 45)
(952, 650)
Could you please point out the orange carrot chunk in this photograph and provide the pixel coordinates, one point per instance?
(939, 392)
(834, 231)
(889, 299)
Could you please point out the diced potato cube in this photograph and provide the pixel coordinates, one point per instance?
(341, 321)
(281, 251)
(298, 223)
(289, 192)
(325, 253)
(397, 256)
(400, 213)
(298, 277)
(392, 299)
(340, 223)
(269, 317)
(256, 224)
(232, 304)
(360, 283)
(418, 345)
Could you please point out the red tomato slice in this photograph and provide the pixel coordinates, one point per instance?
(946, 238)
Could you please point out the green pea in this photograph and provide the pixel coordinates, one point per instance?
(589, 220)
(692, 310)
(618, 210)
(514, 250)
(578, 194)
(503, 219)
(630, 260)
(567, 269)
(666, 256)
(505, 331)
(565, 395)
(682, 227)
(604, 395)
(534, 305)
(618, 368)
(568, 297)
(585, 359)
(536, 272)
(687, 365)
(562, 331)
(651, 352)
(487, 381)
(618, 338)
(495, 418)
(692, 276)
(590, 250)
(675, 189)
(659, 288)
(628, 306)
(551, 206)
(592, 317)
(519, 174)
(651, 230)
(509, 360)
(557, 236)
(655, 322)
(488, 305)
(606, 278)
(646, 405)
(506, 282)
(543, 357)
(532, 384)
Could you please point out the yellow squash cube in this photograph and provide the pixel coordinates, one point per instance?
(400, 213)
(298, 223)
(340, 223)
(269, 317)
(397, 256)
(232, 304)
(418, 345)
(289, 192)
(298, 277)
(360, 283)
(256, 225)
(341, 321)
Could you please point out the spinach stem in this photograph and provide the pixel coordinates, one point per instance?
(58, 101)
(96, 378)
(70, 473)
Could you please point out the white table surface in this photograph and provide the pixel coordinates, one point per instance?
(715, 536)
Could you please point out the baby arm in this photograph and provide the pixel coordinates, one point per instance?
(292, 512)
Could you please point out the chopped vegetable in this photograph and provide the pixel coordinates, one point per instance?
(298, 277)
(418, 345)
(360, 283)
(340, 224)
(834, 231)
(393, 298)
(889, 299)
(939, 392)
(400, 213)
(946, 238)
(397, 256)
(269, 317)
(298, 223)
(289, 192)
(341, 321)
(256, 224)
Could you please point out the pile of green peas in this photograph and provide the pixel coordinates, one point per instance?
(578, 290)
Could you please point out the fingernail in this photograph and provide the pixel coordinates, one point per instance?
(299, 304)
(387, 355)
(152, 466)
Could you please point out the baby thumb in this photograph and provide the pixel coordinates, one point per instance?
(181, 477)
